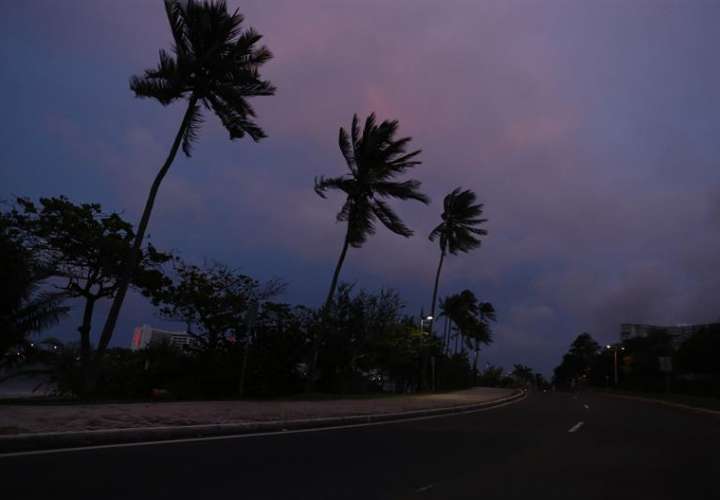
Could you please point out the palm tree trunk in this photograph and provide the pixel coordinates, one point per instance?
(437, 281)
(310, 386)
(336, 275)
(131, 261)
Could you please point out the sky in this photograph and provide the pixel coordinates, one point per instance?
(588, 129)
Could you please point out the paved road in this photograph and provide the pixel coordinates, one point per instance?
(623, 449)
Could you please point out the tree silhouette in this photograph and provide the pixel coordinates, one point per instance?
(214, 65)
(523, 373)
(84, 250)
(24, 308)
(458, 230)
(470, 317)
(374, 158)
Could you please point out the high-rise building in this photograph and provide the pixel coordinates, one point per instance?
(677, 333)
(146, 335)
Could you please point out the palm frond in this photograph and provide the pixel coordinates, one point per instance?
(322, 184)
(407, 190)
(174, 12)
(235, 120)
(390, 219)
(191, 131)
(346, 149)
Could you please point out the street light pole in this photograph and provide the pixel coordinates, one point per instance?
(423, 319)
(616, 368)
(615, 361)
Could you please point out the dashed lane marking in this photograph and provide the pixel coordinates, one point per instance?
(575, 427)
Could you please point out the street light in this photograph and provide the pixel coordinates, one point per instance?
(423, 320)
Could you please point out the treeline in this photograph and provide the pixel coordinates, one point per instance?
(655, 362)
(246, 343)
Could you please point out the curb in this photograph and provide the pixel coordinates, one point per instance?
(75, 439)
(672, 404)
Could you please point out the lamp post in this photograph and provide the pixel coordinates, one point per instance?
(423, 319)
(615, 350)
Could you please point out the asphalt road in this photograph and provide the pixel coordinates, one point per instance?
(623, 449)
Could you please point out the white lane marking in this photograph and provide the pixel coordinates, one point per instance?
(258, 434)
(576, 427)
(424, 488)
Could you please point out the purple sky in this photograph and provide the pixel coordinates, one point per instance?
(589, 129)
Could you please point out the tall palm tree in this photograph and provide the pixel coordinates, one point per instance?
(214, 65)
(458, 231)
(374, 158)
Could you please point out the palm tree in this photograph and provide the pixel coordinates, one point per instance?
(214, 65)
(470, 317)
(24, 309)
(458, 230)
(374, 158)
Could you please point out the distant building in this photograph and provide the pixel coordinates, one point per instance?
(678, 333)
(145, 335)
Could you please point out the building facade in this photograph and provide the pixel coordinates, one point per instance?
(146, 335)
(678, 333)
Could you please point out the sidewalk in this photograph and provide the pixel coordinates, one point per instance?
(21, 419)
(31, 427)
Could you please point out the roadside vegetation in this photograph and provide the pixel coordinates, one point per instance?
(684, 370)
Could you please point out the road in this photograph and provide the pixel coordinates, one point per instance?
(622, 449)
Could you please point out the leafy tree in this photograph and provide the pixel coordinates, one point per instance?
(579, 359)
(458, 231)
(398, 353)
(700, 353)
(85, 250)
(218, 305)
(523, 373)
(279, 349)
(214, 65)
(351, 326)
(492, 376)
(212, 301)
